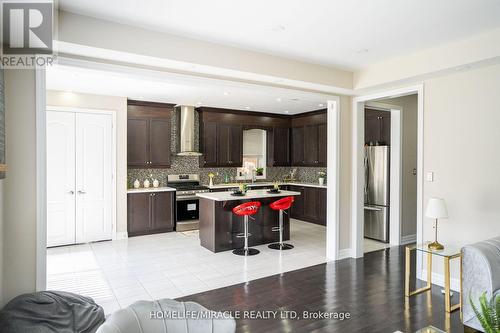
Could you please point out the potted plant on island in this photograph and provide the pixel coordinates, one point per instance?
(259, 171)
(321, 177)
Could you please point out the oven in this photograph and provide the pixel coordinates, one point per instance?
(188, 209)
(187, 203)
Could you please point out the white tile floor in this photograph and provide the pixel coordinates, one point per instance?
(371, 245)
(118, 273)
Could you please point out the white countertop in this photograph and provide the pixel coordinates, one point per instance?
(151, 189)
(234, 185)
(251, 194)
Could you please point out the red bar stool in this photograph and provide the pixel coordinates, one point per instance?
(247, 209)
(281, 205)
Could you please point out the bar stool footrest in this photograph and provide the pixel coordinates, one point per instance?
(243, 252)
(278, 246)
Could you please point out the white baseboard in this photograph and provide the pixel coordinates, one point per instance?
(438, 279)
(409, 239)
(121, 235)
(344, 253)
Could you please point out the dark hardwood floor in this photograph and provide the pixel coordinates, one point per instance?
(371, 289)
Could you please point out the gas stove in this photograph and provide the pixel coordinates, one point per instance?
(186, 186)
(187, 203)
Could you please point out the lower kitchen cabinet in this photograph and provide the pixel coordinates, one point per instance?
(310, 205)
(150, 213)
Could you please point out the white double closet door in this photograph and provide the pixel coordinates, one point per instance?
(79, 177)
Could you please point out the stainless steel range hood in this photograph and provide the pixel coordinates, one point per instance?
(185, 126)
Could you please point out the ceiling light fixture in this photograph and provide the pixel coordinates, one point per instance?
(248, 108)
(278, 99)
(199, 103)
(321, 105)
(287, 111)
(226, 93)
(278, 28)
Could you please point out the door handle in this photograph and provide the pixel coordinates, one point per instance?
(82, 192)
(372, 209)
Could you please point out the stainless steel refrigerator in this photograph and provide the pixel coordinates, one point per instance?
(376, 208)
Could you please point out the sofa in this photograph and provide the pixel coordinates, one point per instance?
(166, 315)
(480, 273)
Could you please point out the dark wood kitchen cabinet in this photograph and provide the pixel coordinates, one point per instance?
(310, 205)
(322, 207)
(229, 145)
(377, 127)
(297, 146)
(322, 145)
(208, 136)
(311, 145)
(278, 147)
(150, 213)
(309, 140)
(222, 145)
(148, 134)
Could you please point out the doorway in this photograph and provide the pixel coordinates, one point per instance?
(402, 229)
(80, 176)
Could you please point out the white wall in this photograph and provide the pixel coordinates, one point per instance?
(345, 171)
(461, 139)
(409, 162)
(19, 232)
(119, 105)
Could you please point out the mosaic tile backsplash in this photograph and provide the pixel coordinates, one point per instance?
(190, 165)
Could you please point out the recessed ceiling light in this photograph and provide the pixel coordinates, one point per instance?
(278, 99)
(226, 93)
(287, 111)
(199, 103)
(278, 28)
(321, 105)
(248, 108)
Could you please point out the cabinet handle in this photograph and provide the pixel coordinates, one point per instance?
(82, 192)
(71, 192)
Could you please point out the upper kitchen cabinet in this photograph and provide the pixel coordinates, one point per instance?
(377, 127)
(309, 139)
(221, 136)
(278, 147)
(297, 146)
(148, 134)
(208, 138)
(229, 145)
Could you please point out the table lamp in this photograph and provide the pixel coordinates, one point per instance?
(436, 209)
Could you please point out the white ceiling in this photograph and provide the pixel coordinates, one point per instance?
(182, 89)
(345, 33)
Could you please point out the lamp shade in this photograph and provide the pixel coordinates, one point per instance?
(436, 209)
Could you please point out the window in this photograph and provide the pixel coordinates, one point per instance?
(254, 155)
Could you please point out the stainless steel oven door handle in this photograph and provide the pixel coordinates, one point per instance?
(186, 197)
(372, 208)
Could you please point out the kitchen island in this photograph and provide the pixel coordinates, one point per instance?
(219, 227)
